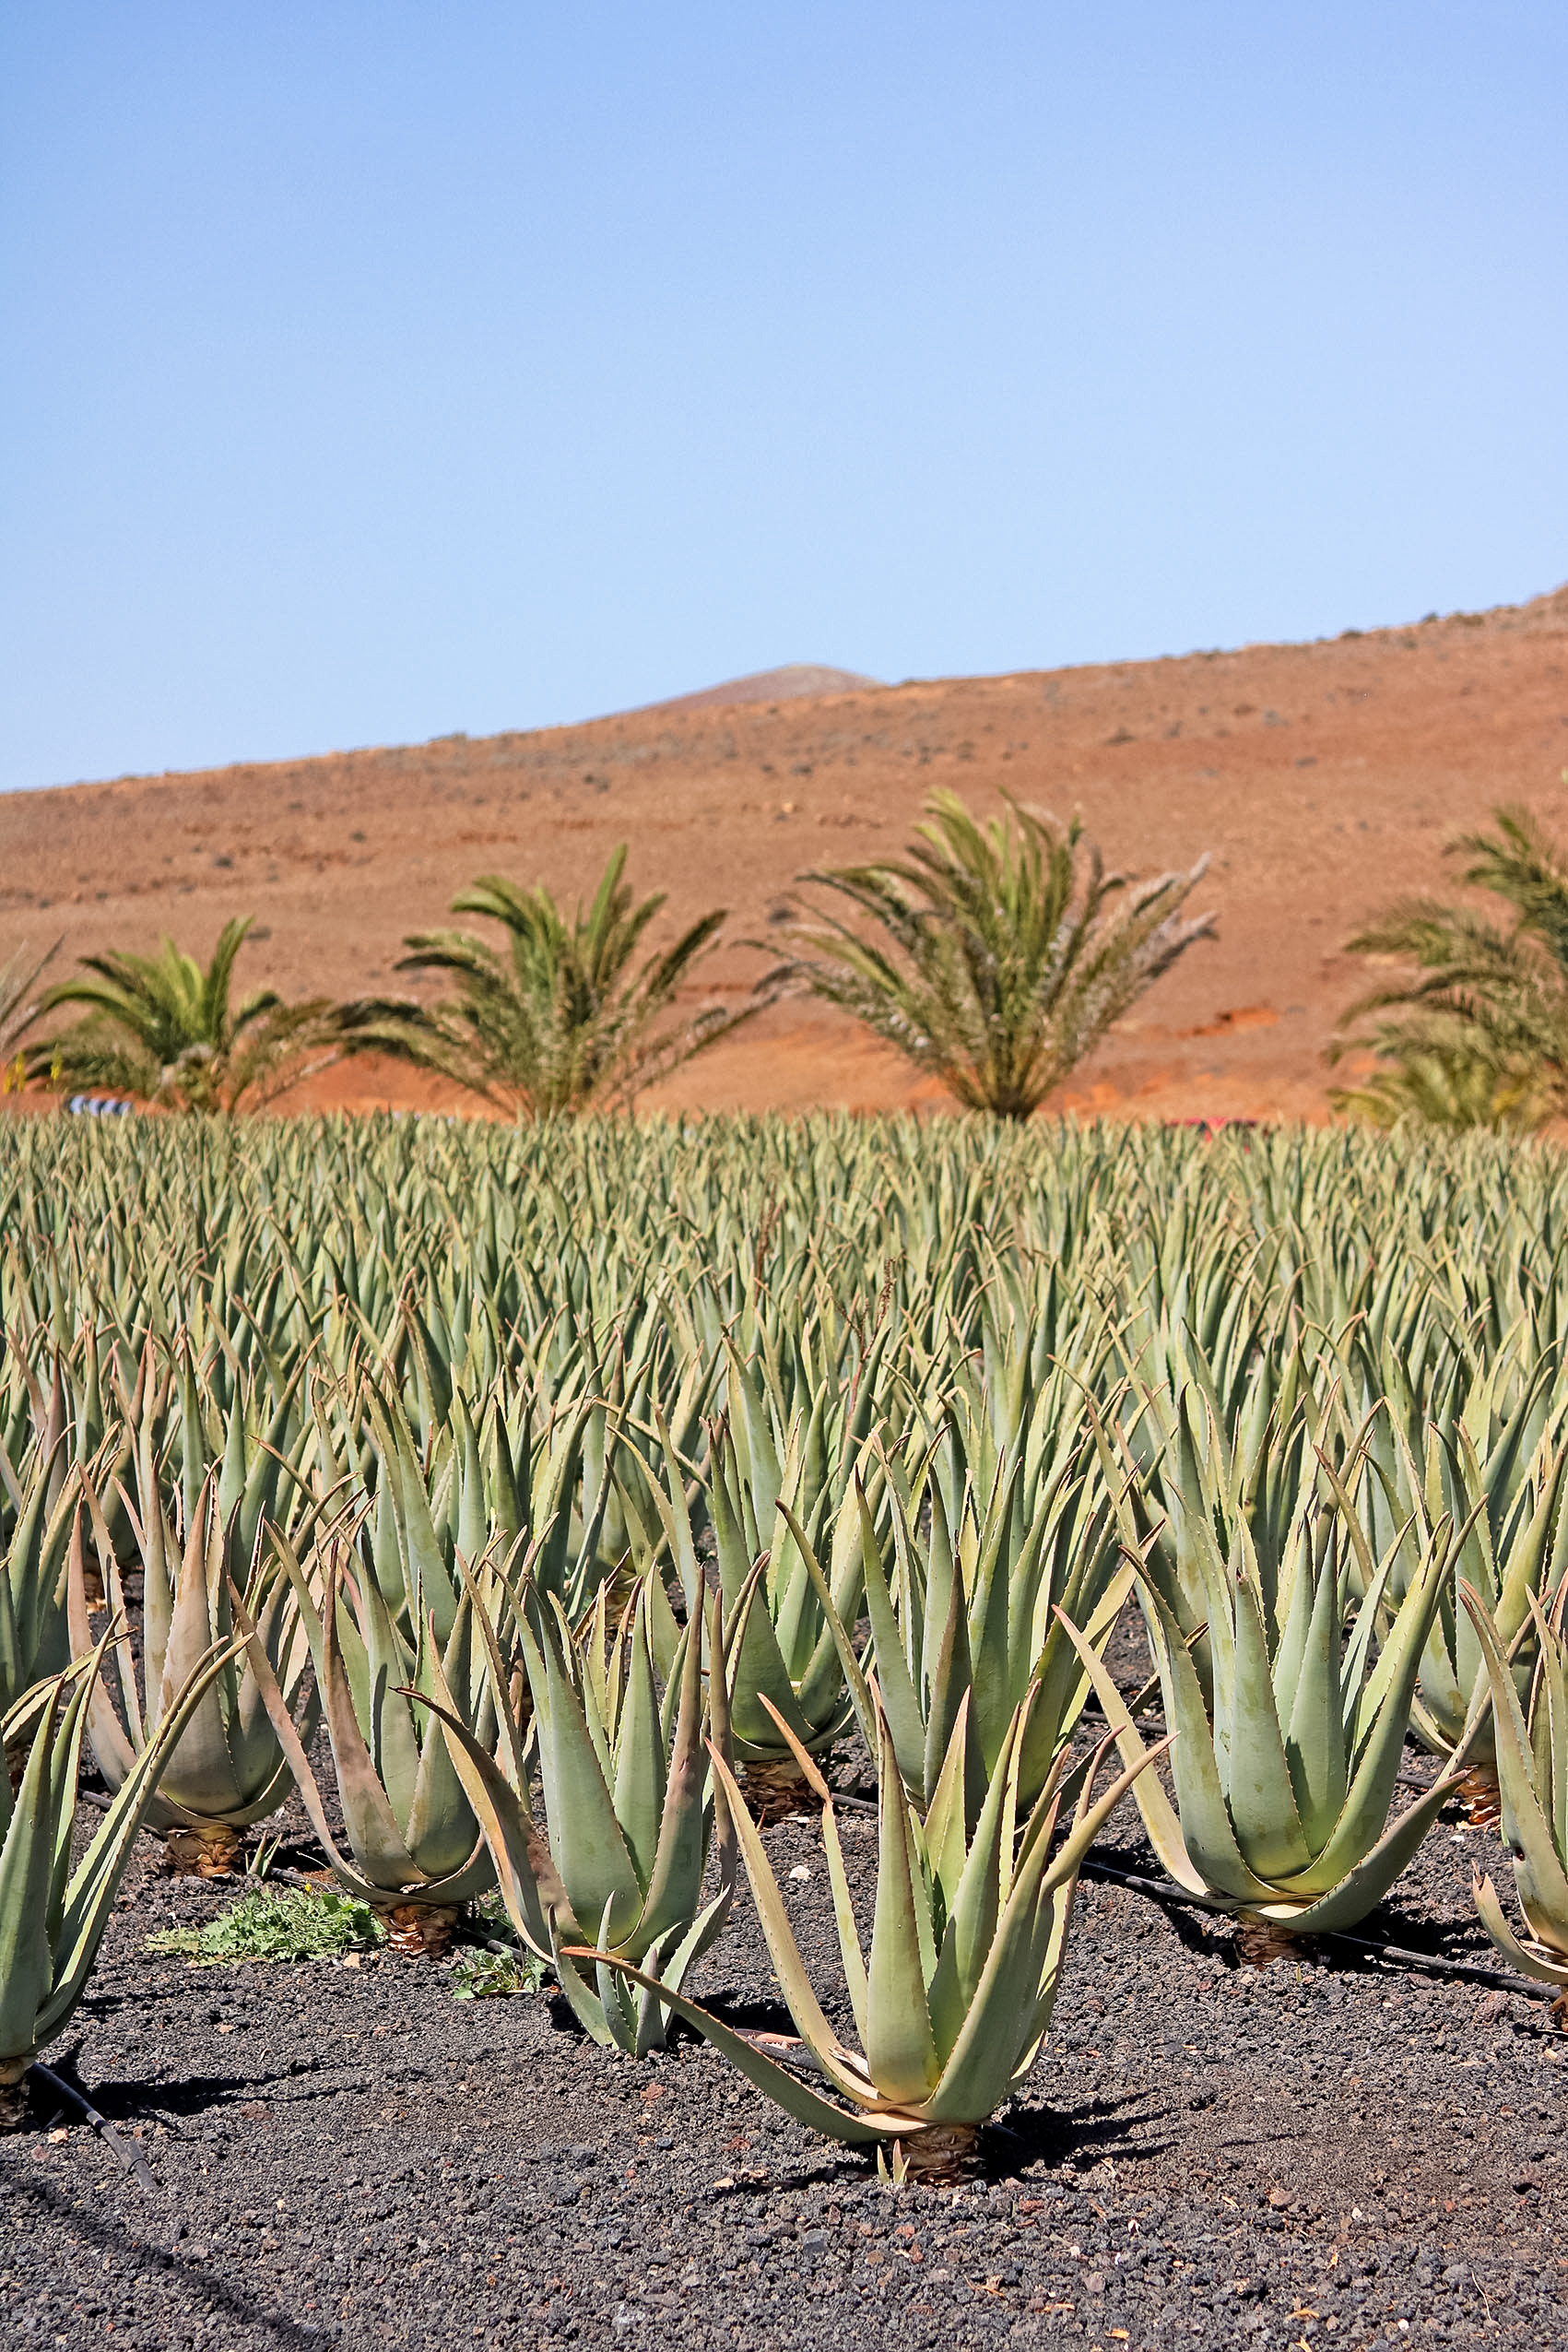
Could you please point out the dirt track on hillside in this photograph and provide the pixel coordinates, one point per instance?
(1322, 779)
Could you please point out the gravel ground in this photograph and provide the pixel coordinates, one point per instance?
(1205, 2152)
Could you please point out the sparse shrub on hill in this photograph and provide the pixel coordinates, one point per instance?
(553, 1021)
(1479, 1033)
(1006, 951)
(162, 1031)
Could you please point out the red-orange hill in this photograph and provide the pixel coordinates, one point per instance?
(1323, 779)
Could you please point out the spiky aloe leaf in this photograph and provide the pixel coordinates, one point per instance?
(1539, 1875)
(901, 2049)
(1530, 1963)
(861, 2129)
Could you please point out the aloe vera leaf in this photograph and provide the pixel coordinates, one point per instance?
(1527, 1561)
(1064, 1687)
(89, 1897)
(900, 1704)
(901, 2050)
(199, 1776)
(1262, 1803)
(947, 1827)
(439, 1830)
(941, 1581)
(823, 1700)
(985, 2056)
(679, 1953)
(1399, 1661)
(639, 1760)
(793, 1982)
(294, 1754)
(430, 1585)
(1292, 1651)
(977, 1900)
(618, 2000)
(392, 1737)
(1364, 1885)
(992, 1710)
(380, 1853)
(676, 1517)
(1314, 1743)
(1200, 1803)
(757, 1672)
(676, 1876)
(586, 2005)
(1529, 1964)
(950, 1684)
(1360, 1828)
(1159, 1817)
(589, 1846)
(1538, 1870)
(774, 2081)
(746, 1408)
(115, 1753)
(473, 1516)
(531, 1886)
(844, 1908)
(27, 1868)
(855, 1681)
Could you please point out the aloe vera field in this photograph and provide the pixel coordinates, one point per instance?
(775, 1732)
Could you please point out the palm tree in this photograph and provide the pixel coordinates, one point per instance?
(1479, 1037)
(18, 1009)
(162, 1031)
(1003, 959)
(553, 1021)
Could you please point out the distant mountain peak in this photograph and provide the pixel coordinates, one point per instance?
(793, 683)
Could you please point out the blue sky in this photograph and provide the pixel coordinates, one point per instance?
(376, 371)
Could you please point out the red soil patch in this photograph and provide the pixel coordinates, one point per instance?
(1324, 779)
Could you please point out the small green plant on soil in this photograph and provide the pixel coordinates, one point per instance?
(485, 1975)
(278, 1923)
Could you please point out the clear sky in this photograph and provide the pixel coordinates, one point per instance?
(374, 369)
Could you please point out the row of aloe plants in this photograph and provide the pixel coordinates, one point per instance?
(582, 1529)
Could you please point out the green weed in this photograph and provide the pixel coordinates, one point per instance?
(278, 1923)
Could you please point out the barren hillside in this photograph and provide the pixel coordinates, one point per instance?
(1322, 778)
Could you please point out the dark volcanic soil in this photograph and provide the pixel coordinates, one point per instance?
(1313, 2154)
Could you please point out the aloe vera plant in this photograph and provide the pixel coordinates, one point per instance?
(1532, 1768)
(1285, 1780)
(631, 1810)
(787, 1687)
(1513, 1552)
(415, 1849)
(955, 1996)
(51, 1919)
(34, 1638)
(977, 1620)
(229, 1769)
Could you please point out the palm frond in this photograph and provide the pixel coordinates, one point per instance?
(19, 1008)
(555, 1020)
(1481, 1039)
(161, 1030)
(1005, 951)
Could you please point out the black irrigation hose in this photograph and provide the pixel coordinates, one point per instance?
(1164, 1891)
(130, 2158)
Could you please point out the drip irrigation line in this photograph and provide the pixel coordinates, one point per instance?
(1165, 1891)
(130, 2158)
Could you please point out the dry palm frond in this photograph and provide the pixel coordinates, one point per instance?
(1002, 959)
